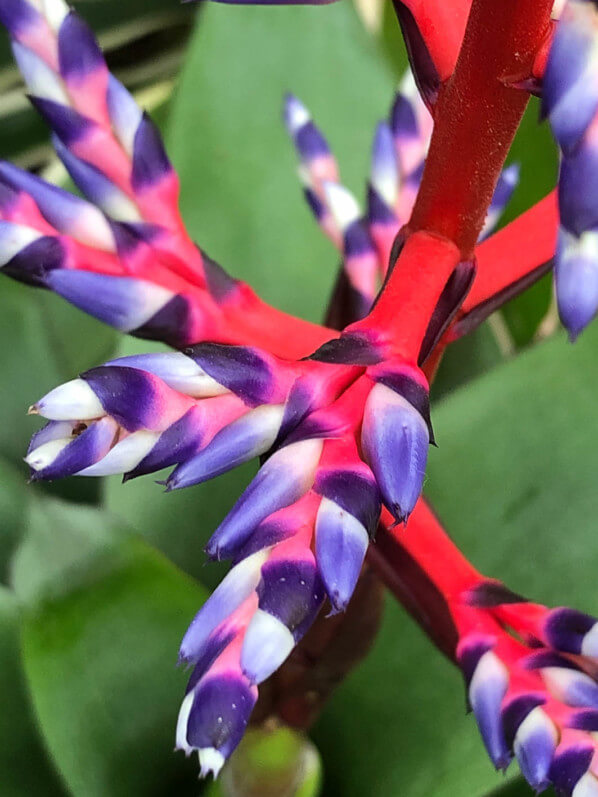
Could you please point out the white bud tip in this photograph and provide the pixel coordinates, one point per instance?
(295, 114)
(41, 457)
(342, 204)
(210, 761)
(73, 400)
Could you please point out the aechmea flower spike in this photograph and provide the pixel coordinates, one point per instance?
(124, 257)
(570, 100)
(534, 697)
(335, 208)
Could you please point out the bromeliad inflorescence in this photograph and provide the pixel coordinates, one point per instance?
(340, 419)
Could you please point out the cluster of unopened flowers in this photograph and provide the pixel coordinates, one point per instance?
(341, 422)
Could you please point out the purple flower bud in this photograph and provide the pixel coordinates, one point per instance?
(241, 369)
(576, 280)
(571, 687)
(79, 54)
(571, 631)
(235, 588)
(341, 545)
(487, 688)
(96, 187)
(241, 441)
(18, 16)
(176, 444)
(213, 718)
(384, 174)
(578, 185)
(309, 141)
(62, 457)
(282, 480)
(534, 745)
(569, 767)
(180, 372)
(64, 211)
(126, 303)
(569, 87)
(395, 442)
(150, 161)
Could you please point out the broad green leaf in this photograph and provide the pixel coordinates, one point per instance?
(240, 194)
(104, 614)
(24, 764)
(514, 479)
(13, 500)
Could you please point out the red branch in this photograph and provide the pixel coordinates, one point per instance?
(477, 116)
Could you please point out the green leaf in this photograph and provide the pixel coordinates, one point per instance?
(23, 762)
(103, 618)
(240, 196)
(514, 479)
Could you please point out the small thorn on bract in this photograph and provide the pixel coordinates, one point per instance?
(33, 410)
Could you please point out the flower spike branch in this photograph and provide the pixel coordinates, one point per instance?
(530, 672)
(340, 421)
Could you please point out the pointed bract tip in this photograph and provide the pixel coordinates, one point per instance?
(342, 204)
(295, 114)
(210, 761)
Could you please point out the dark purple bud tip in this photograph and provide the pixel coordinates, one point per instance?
(17, 16)
(349, 349)
(241, 369)
(127, 394)
(353, 492)
(412, 388)
(378, 211)
(78, 51)
(403, 121)
(566, 630)
(33, 264)
(69, 125)
(470, 651)
(291, 591)
(213, 718)
(569, 766)
(150, 161)
(490, 593)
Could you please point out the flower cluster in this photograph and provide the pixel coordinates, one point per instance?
(570, 101)
(341, 423)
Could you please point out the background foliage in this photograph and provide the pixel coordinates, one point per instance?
(100, 580)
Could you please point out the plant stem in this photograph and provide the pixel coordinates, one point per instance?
(477, 115)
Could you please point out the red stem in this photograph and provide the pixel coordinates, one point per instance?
(477, 116)
(425, 571)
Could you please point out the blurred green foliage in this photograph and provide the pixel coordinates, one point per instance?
(101, 584)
